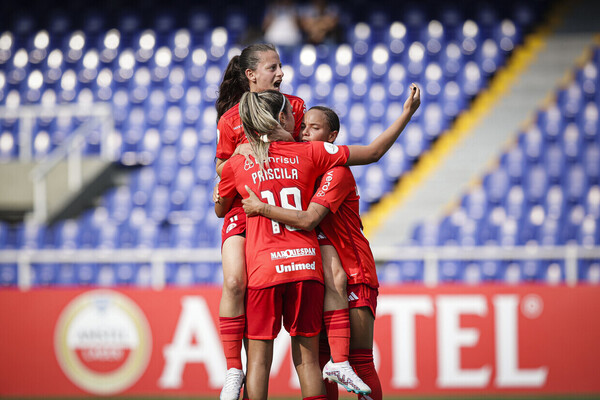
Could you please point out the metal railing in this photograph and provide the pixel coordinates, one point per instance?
(430, 256)
(100, 115)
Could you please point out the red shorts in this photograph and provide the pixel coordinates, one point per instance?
(299, 303)
(323, 240)
(234, 223)
(361, 295)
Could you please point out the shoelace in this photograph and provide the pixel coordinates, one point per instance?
(232, 381)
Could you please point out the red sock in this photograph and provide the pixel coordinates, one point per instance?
(322, 397)
(232, 333)
(337, 326)
(324, 356)
(362, 362)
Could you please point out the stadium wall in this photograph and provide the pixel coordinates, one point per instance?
(443, 340)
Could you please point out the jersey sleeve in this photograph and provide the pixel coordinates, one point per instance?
(328, 155)
(227, 187)
(226, 141)
(334, 188)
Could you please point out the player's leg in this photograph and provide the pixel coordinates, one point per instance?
(335, 306)
(362, 322)
(331, 388)
(232, 315)
(305, 354)
(260, 356)
(302, 318)
(265, 306)
(337, 326)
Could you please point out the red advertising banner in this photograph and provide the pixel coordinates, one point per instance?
(428, 341)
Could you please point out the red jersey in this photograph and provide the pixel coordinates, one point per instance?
(230, 131)
(276, 253)
(342, 225)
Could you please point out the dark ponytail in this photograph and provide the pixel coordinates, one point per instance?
(235, 82)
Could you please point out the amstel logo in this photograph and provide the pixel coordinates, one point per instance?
(103, 342)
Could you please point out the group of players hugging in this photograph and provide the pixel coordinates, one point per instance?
(292, 243)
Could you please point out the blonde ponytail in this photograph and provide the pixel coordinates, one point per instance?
(259, 113)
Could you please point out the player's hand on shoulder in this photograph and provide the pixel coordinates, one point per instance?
(244, 149)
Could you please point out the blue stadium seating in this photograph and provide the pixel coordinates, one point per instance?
(160, 71)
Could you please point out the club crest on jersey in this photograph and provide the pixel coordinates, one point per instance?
(248, 164)
(230, 227)
(331, 148)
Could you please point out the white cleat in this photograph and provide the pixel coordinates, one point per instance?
(343, 374)
(233, 384)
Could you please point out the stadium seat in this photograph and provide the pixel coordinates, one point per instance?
(158, 206)
(401, 272)
(532, 271)
(576, 184)
(554, 273)
(106, 275)
(491, 271)
(496, 184)
(571, 142)
(515, 204)
(451, 271)
(512, 273)
(589, 272)
(426, 234)
(514, 163)
(8, 275)
(570, 101)
(591, 163)
(555, 202)
(108, 236)
(9, 148)
(44, 274)
(507, 34)
(396, 37)
(126, 274)
(588, 233)
(551, 123)
(180, 274)
(592, 202)
(536, 184)
(451, 60)
(554, 163)
(573, 220)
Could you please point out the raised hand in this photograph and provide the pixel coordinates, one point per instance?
(413, 101)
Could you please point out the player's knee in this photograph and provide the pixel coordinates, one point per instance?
(234, 287)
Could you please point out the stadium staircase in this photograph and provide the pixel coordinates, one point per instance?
(460, 161)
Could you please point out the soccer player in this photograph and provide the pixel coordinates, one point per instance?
(284, 173)
(256, 69)
(334, 207)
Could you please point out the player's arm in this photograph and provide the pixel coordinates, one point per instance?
(219, 165)
(305, 220)
(223, 206)
(360, 155)
(244, 149)
(226, 191)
